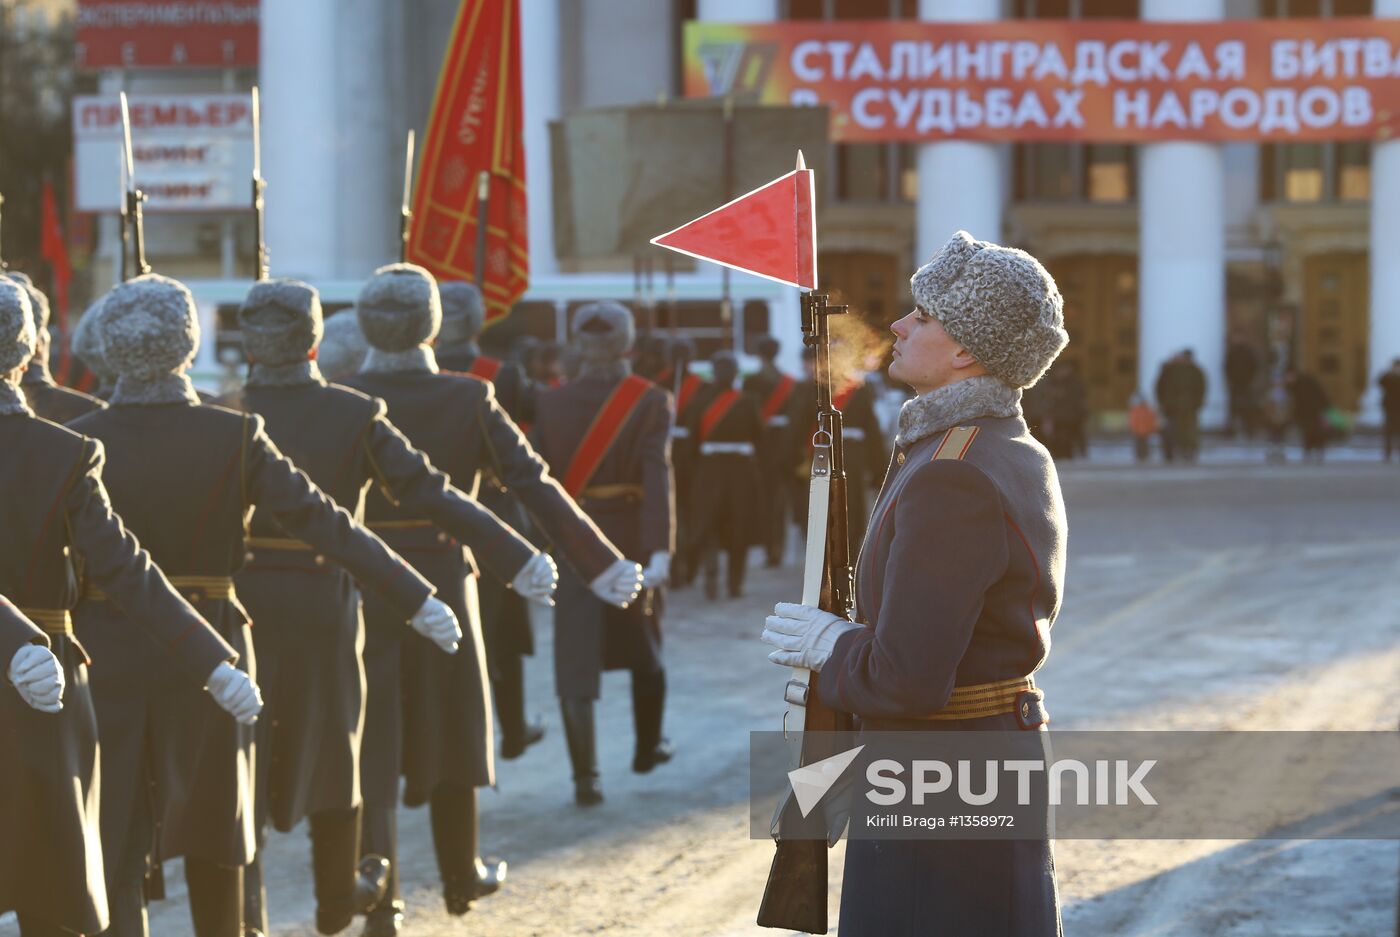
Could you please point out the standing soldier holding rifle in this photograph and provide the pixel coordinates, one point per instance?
(967, 537)
(771, 390)
(608, 431)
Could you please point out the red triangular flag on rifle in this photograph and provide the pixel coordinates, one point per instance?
(770, 232)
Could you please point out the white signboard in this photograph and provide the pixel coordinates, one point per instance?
(194, 152)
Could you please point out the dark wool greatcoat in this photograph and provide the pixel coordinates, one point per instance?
(722, 503)
(958, 584)
(59, 524)
(15, 632)
(309, 632)
(589, 636)
(51, 401)
(185, 477)
(456, 421)
(505, 619)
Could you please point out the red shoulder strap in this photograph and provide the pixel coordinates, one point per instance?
(603, 432)
(689, 386)
(485, 367)
(842, 398)
(778, 398)
(716, 411)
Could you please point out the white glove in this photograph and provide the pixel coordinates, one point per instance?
(658, 571)
(619, 584)
(537, 579)
(38, 678)
(235, 692)
(803, 635)
(436, 622)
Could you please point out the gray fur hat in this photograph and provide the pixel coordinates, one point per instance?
(88, 346)
(343, 347)
(38, 302)
(726, 367)
(399, 308)
(280, 321)
(16, 327)
(463, 312)
(148, 327)
(997, 302)
(603, 331)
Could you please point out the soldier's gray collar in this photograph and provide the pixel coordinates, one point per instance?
(167, 388)
(12, 399)
(37, 372)
(611, 369)
(285, 375)
(420, 359)
(972, 399)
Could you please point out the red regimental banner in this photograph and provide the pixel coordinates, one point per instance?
(167, 33)
(476, 126)
(1099, 80)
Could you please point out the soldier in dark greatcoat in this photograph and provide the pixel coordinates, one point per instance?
(455, 420)
(48, 399)
(724, 434)
(309, 630)
(505, 621)
(683, 384)
(59, 524)
(957, 586)
(771, 389)
(185, 478)
(607, 434)
(343, 347)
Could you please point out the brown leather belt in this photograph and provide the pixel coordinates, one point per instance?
(978, 700)
(399, 525)
(603, 492)
(193, 588)
(51, 620)
(275, 543)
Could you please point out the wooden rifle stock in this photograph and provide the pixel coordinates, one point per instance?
(795, 896)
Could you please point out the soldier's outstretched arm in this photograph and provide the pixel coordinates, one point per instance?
(117, 565)
(522, 471)
(905, 662)
(409, 480)
(274, 484)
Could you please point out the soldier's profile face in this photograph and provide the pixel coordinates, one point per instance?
(925, 355)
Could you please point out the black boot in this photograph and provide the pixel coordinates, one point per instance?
(254, 896)
(216, 898)
(508, 684)
(711, 563)
(465, 876)
(583, 750)
(379, 840)
(345, 884)
(648, 705)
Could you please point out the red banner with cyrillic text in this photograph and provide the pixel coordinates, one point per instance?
(1068, 80)
(476, 126)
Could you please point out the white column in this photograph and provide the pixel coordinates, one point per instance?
(960, 181)
(1384, 339)
(369, 147)
(297, 79)
(737, 11)
(1181, 259)
(540, 55)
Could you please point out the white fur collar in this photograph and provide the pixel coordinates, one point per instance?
(285, 375)
(165, 388)
(389, 362)
(971, 399)
(12, 399)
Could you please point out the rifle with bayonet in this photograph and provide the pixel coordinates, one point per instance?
(133, 198)
(259, 189)
(3, 266)
(406, 209)
(795, 897)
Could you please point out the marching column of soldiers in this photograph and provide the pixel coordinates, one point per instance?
(384, 501)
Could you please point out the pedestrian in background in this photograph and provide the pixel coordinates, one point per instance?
(1241, 369)
(1142, 423)
(1071, 409)
(1390, 406)
(1309, 404)
(1181, 391)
